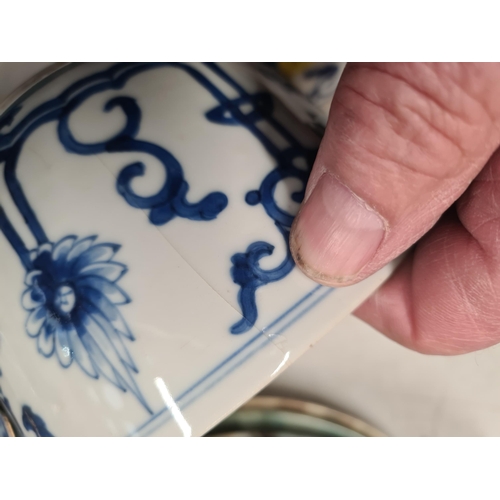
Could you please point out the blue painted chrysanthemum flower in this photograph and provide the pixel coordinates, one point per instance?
(72, 299)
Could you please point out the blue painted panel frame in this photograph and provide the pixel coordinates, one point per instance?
(236, 359)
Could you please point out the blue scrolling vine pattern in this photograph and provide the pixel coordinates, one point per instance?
(72, 297)
(247, 110)
(171, 199)
(294, 161)
(71, 294)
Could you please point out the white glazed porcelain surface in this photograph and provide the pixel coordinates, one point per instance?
(169, 276)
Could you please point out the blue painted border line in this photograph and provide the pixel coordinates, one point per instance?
(265, 336)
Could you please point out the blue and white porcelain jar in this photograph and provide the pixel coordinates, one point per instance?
(147, 286)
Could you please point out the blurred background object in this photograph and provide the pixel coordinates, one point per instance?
(8, 427)
(5, 425)
(307, 89)
(266, 416)
(317, 81)
(13, 75)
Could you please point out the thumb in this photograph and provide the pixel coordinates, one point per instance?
(403, 142)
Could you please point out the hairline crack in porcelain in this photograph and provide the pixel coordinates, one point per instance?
(152, 263)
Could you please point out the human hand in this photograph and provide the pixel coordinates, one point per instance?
(409, 156)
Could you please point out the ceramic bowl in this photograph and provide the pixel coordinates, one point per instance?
(147, 287)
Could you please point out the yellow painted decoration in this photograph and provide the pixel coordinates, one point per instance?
(291, 69)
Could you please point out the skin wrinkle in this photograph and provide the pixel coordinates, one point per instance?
(427, 95)
(484, 287)
(488, 219)
(480, 98)
(440, 82)
(412, 86)
(324, 168)
(429, 122)
(452, 343)
(447, 195)
(473, 223)
(397, 167)
(484, 108)
(470, 299)
(416, 112)
(467, 300)
(447, 266)
(397, 162)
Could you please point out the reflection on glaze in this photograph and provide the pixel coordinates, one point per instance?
(71, 295)
(173, 407)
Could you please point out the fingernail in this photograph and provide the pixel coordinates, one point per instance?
(335, 234)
